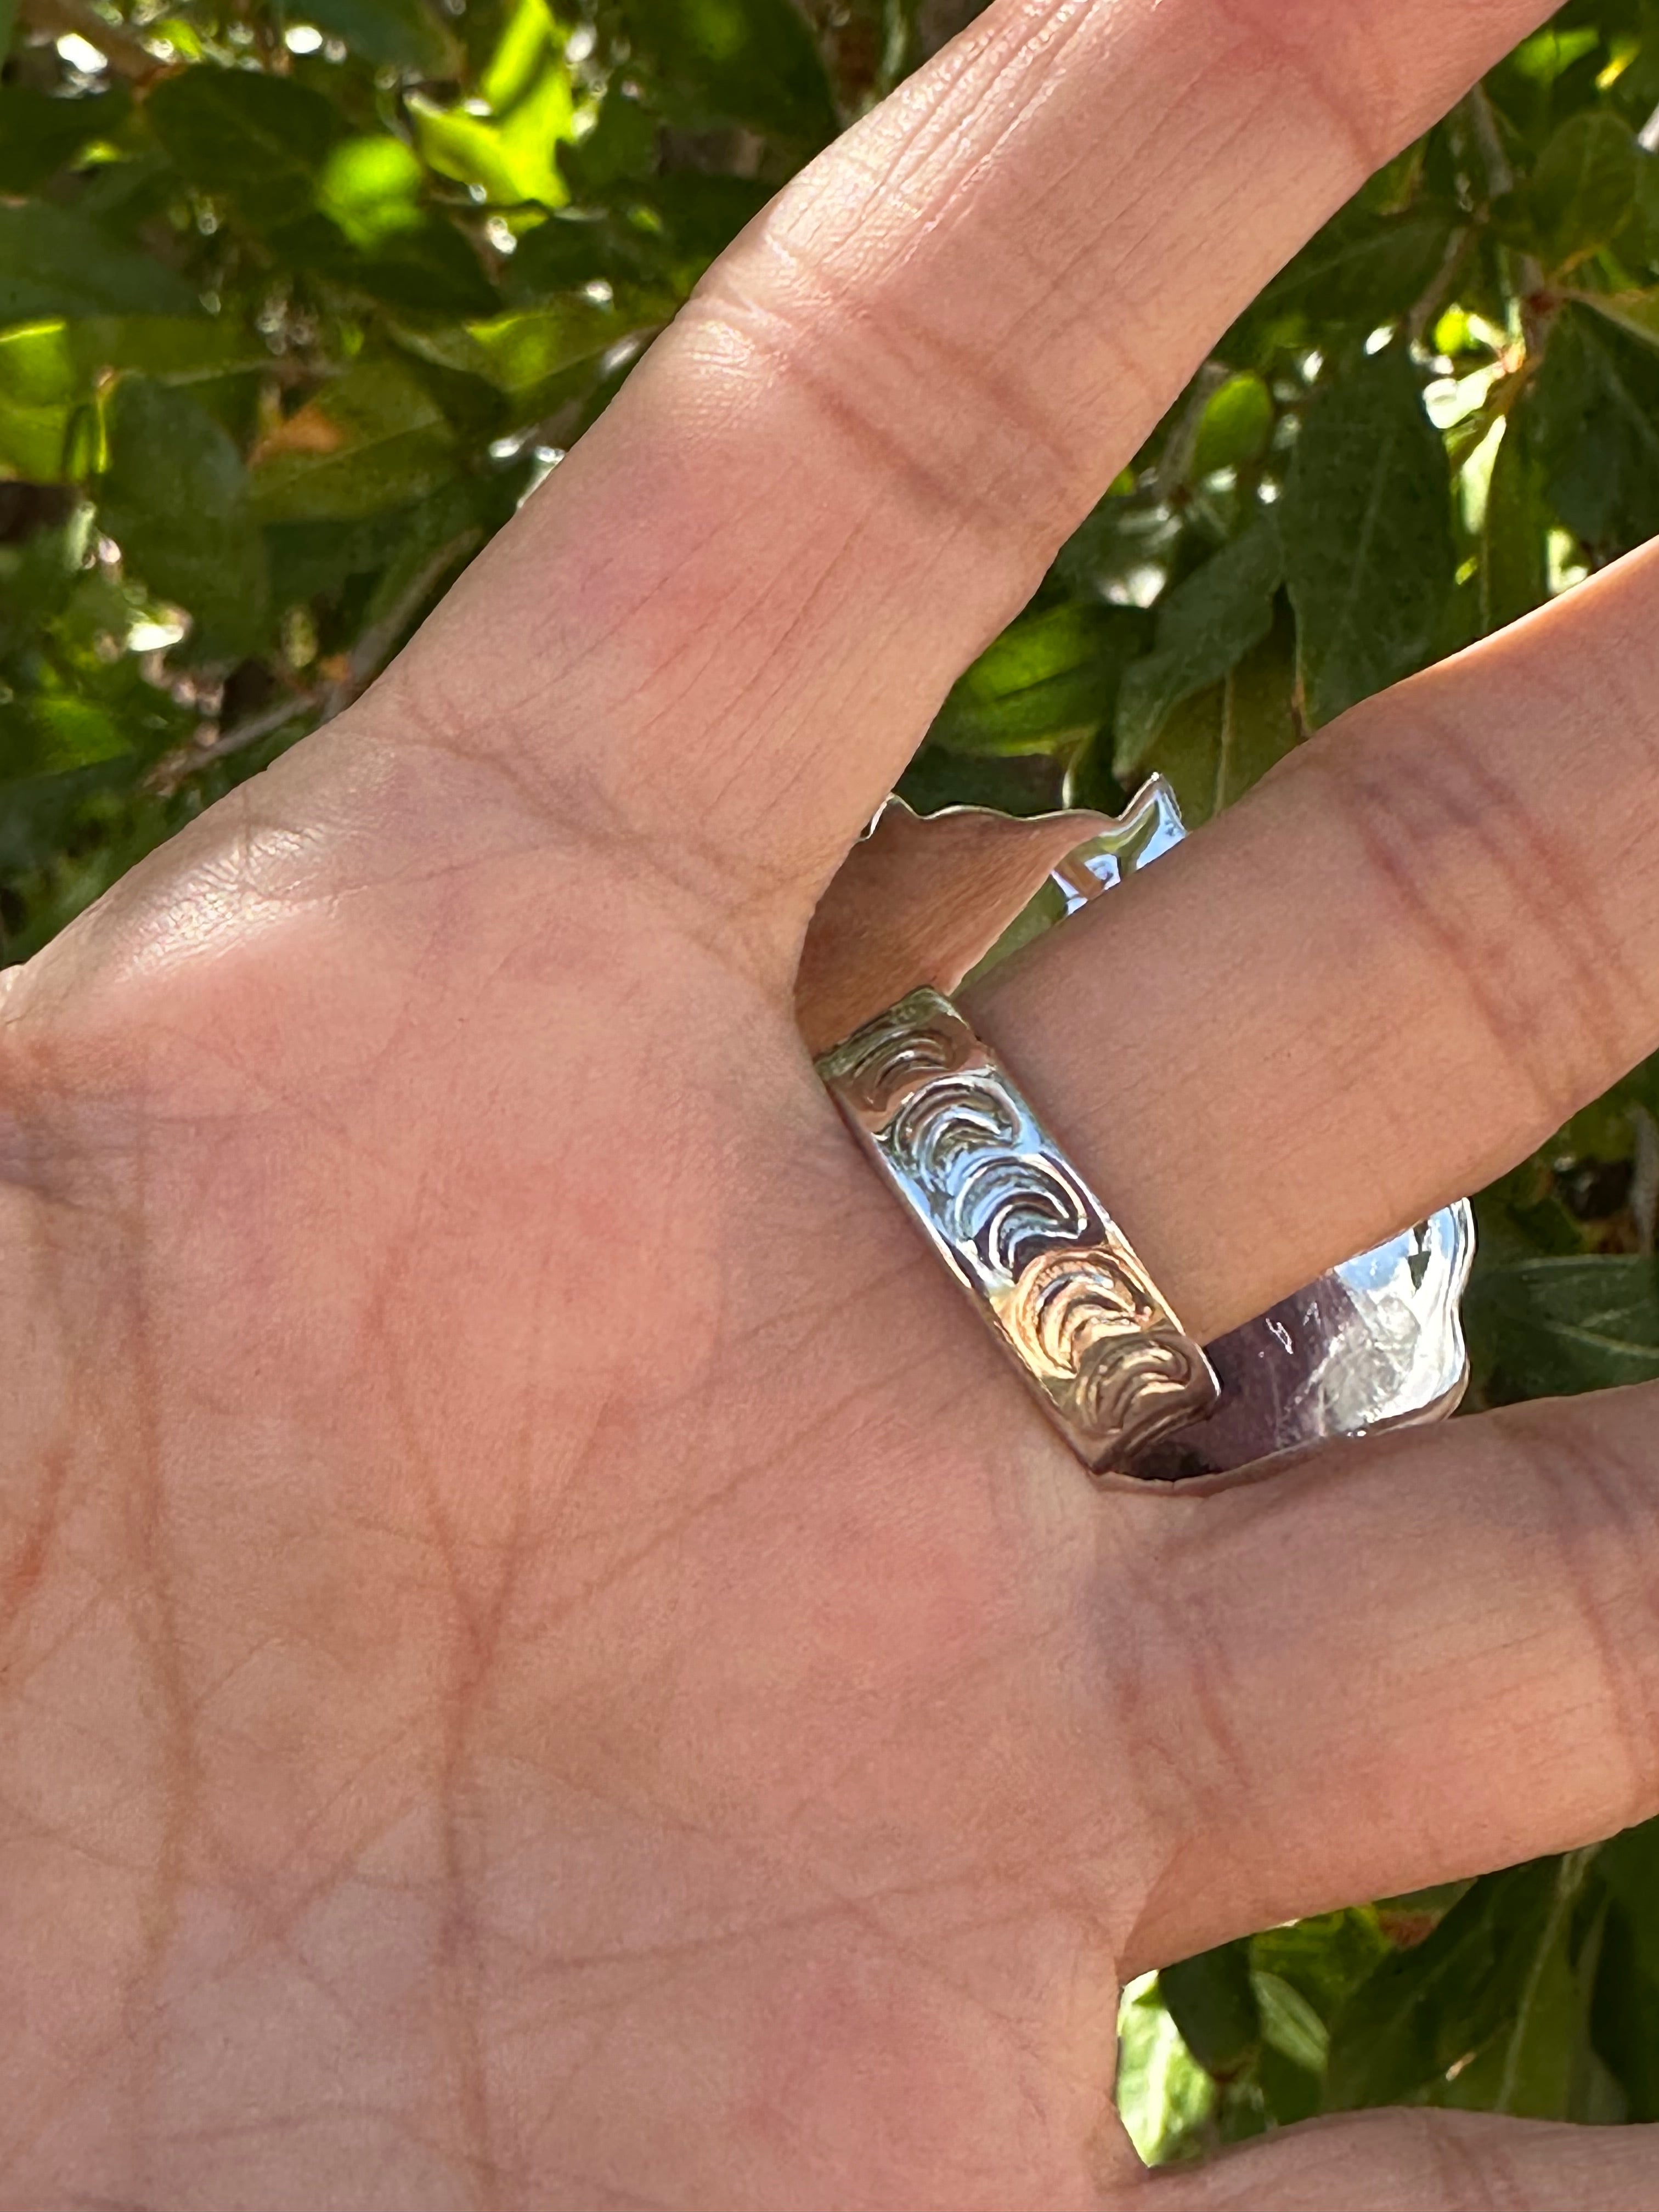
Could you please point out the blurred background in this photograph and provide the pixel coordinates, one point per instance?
(295, 306)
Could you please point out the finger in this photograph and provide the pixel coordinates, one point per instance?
(919, 901)
(1415, 1660)
(1391, 973)
(1422, 2161)
(727, 620)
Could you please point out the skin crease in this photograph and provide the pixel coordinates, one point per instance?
(546, 1662)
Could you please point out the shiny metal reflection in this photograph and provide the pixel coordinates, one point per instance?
(1375, 1344)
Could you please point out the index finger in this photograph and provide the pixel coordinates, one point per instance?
(732, 613)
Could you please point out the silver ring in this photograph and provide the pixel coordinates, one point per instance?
(1043, 1261)
(1373, 1345)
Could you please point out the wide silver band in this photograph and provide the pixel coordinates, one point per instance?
(1019, 1229)
(1375, 1344)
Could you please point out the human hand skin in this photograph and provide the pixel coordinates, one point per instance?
(547, 1662)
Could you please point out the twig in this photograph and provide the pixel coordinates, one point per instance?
(127, 55)
(170, 771)
(1500, 180)
(375, 644)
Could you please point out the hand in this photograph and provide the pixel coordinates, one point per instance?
(548, 1661)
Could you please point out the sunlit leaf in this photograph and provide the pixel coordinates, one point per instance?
(1237, 424)
(1045, 686)
(513, 160)
(367, 440)
(39, 391)
(1162, 2092)
(529, 45)
(371, 188)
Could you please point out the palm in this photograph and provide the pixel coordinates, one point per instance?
(550, 1664)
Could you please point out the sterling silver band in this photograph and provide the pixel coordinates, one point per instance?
(1019, 1229)
(1375, 1344)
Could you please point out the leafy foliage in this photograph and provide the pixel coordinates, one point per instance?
(295, 309)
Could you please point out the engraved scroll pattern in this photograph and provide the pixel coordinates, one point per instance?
(1023, 1230)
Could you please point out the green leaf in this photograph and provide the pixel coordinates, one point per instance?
(310, 559)
(1527, 2067)
(401, 34)
(1236, 428)
(1290, 2025)
(1212, 2000)
(372, 439)
(433, 270)
(39, 132)
(542, 357)
(621, 145)
(1325, 1957)
(702, 214)
(40, 390)
(737, 60)
(56, 264)
(529, 45)
(174, 498)
(175, 349)
(430, 271)
(1595, 427)
(1625, 2017)
(1636, 313)
(1515, 531)
(1213, 748)
(371, 188)
(1162, 2092)
(437, 539)
(8, 25)
(514, 159)
(1553, 1326)
(1290, 2069)
(1206, 626)
(1044, 686)
(1629, 1864)
(576, 247)
(262, 139)
(1550, 53)
(1367, 524)
(53, 735)
(1434, 2007)
(1625, 2011)
(1364, 270)
(1583, 189)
